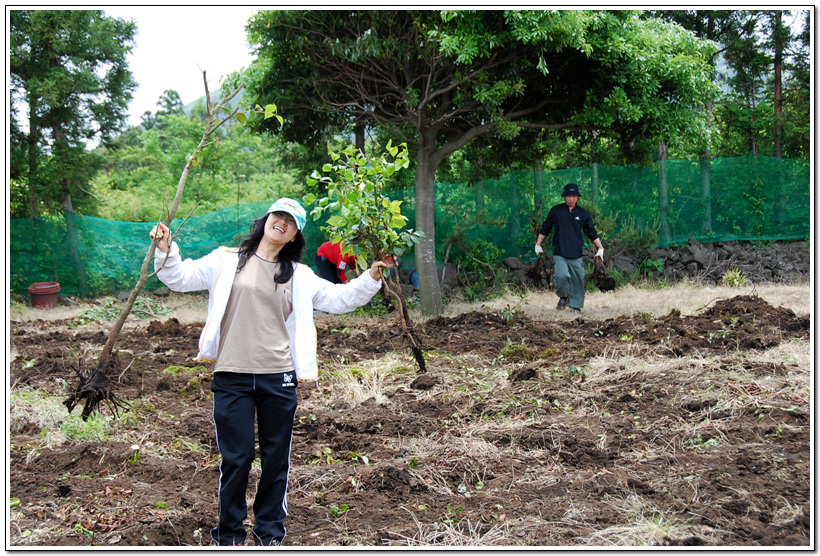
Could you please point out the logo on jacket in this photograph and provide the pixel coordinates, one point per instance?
(577, 218)
(287, 380)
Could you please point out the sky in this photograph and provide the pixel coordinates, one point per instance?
(175, 44)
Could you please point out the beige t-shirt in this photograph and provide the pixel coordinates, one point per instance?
(253, 337)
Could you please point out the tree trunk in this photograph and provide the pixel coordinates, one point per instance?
(358, 131)
(780, 211)
(33, 149)
(515, 214)
(663, 193)
(706, 192)
(429, 285)
(778, 84)
(596, 185)
(74, 242)
(636, 194)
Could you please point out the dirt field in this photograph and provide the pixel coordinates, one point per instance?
(627, 426)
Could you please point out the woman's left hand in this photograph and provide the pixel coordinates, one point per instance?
(388, 262)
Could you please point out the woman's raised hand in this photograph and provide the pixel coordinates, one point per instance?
(162, 232)
(388, 262)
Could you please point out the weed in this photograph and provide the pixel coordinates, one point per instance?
(324, 456)
(698, 441)
(516, 352)
(96, 429)
(651, 267)
(577, 372)
(734, 278)
(337, 511)
(177, 370)
(29, 363)
(508, 313)
(357, 458)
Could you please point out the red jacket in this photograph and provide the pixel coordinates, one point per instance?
(333, 253)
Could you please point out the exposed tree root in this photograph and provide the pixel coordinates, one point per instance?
(94, 390)
(600, 278)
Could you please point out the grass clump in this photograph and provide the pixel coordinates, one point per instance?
(733, 278)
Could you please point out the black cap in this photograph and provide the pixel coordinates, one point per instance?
(571, 189)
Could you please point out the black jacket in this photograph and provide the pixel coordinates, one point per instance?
(567, 241)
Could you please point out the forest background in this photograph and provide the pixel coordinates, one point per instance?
(724, 83)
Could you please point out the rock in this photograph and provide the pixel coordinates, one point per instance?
(514, 263)
(623, 264)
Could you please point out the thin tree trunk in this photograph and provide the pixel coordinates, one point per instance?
(391, 286)
(706, 193)
(33, 149)
(74, 243)
(780, 211)
(663, 193)
(596, 185)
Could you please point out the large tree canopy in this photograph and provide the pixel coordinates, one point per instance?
(440, 79)
(70, 83)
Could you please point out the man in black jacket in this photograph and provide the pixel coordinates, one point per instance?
(569, 220)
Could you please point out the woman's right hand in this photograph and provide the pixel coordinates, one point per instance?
(162, 232)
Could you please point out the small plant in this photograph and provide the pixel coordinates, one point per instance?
(651, 267)
(324, 456)
(357, 458)
(161, 505)
(337, 511)
(733, 278)
(508, 313)
(576, 372)
(698, 441)
(29, 363)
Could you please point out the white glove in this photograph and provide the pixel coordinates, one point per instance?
(600, 254)
(538, 249)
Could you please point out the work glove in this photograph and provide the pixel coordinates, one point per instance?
(600, 254)
(538, 249)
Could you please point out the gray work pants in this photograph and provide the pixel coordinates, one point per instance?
(568, 277)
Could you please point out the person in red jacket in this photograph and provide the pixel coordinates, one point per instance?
(332, 264)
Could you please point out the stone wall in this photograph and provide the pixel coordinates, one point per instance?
(779, 262)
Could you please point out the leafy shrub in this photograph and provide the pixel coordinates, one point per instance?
(635, 241)
(478, 270)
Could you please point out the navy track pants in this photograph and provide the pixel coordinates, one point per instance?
(239, 399)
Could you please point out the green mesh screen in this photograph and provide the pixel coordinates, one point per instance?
(744, 198)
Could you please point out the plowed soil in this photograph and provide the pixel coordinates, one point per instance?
(637, 430)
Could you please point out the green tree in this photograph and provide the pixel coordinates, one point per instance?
(440, 80)
(70, 84)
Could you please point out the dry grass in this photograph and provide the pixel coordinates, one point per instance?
(688, 297)
(646, 525)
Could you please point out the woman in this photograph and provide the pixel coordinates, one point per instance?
(260, 333)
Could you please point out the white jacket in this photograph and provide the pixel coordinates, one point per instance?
(215, 272)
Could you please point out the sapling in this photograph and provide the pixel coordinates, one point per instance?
(94, 388)
(365, 221)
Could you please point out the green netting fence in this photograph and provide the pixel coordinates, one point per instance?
(744, 198)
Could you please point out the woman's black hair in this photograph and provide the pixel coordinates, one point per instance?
(291, 252)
